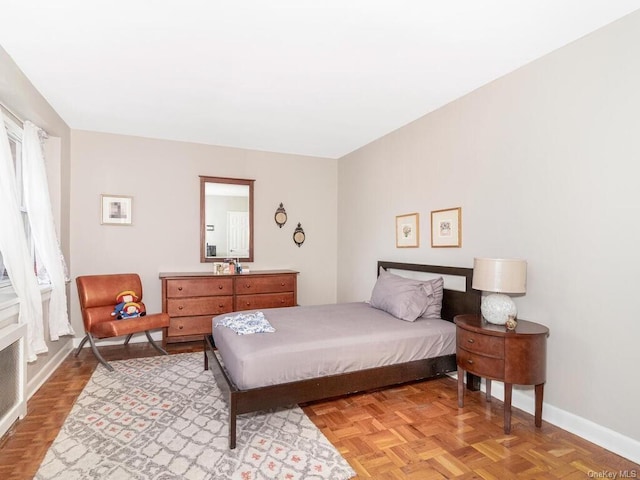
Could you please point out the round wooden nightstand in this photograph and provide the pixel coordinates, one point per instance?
(511, 356)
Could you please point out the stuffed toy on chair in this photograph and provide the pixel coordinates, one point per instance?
(128, 306)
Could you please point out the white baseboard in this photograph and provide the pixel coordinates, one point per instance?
(604, 437)
(43, 375)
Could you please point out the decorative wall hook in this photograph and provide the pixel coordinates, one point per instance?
(280, 216)
(299, 235)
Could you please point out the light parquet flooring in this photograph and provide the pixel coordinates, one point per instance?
(417, 431)
(414, 431)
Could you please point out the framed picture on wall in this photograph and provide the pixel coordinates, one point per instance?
(116, 210)
(446, 228)
(407, 231)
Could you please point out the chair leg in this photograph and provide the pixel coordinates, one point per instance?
(154, 344)
(126, 340)
(79, 349)
(97, 353)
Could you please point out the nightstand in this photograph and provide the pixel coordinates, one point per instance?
(495, 353)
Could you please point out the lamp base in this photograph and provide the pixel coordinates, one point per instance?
(497, 307)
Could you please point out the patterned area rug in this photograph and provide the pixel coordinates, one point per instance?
(164, 418)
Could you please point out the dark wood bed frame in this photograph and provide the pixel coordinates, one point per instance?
(263, 398)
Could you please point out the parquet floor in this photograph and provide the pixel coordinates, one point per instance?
(417, 431)
(414, 431)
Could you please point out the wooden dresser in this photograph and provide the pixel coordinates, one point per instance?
(193, 299)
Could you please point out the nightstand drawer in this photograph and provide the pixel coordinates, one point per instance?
(482, 344)
(480, 365)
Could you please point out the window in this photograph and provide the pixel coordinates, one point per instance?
(14, 132)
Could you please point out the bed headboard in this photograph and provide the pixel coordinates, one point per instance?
(462, 299)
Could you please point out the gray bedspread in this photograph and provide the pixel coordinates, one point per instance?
(319, 340)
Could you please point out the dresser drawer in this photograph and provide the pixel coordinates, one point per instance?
(480, 365)
(265, 300)
(269, 284)
(200, 287)
(190, 326)
(479, 343)
(184, 307)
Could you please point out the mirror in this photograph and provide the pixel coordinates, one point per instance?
(226, 219)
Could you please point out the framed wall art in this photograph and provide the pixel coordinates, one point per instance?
(116, 210)
(446, 228)
(407, 231)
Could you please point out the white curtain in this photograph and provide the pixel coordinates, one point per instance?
(15, 252)
(38, 204)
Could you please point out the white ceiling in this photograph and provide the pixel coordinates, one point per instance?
(315, 77)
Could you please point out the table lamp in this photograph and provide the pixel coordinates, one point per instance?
(500, 276)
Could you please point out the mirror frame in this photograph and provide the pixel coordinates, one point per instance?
(234, 181)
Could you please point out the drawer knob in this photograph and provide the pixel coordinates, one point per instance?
(180, 327)
(220, 305)
(179, 289)
(180, 307)
(471, 340)
(220, 287)
(248, 303)
(247, 285)
(282, 284)
(470, 362)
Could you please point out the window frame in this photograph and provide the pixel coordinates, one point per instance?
(15, 133)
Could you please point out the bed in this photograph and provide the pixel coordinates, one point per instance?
(341, 362)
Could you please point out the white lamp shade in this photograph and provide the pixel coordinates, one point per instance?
(500, 275)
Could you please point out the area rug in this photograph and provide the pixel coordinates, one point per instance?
(164, 418)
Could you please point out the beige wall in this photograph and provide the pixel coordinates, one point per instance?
(18, 94)
(163, 178)
(545, 165)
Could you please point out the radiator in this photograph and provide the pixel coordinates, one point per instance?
(13, 375)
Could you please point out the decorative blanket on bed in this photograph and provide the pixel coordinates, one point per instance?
(246, 323)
